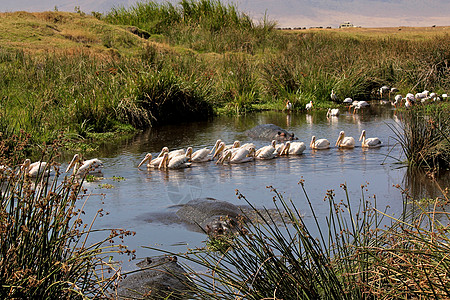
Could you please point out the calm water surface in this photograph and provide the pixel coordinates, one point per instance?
(143, 193)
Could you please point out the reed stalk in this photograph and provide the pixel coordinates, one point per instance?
(356, 253)
(45, 247)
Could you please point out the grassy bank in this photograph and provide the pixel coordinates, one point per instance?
(155, 63)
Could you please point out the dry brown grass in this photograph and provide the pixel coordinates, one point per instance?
(403, 33)
(62, 32)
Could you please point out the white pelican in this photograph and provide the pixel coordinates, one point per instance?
(384, 90)
(345, 141)
(319, 144)
(333, 96)
(35, 169)
(393, 91)
(172, 153)
(267, 152)
(288, 105)
(359, 104)
(215, 146)
(348, 100)
(176, 162)
(80, 167)
(410, 97)
(242, 155)
(333, 112)
(309, 105)
(152, 163)
(398, 100)
(370, 142)
(408, 103)
(200, 155)
(293, 148)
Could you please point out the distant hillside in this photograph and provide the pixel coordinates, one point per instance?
(65, 32)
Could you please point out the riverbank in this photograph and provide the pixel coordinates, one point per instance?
(77, 75)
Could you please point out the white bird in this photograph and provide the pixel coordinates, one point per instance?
(152, 163)
(309, 105)
(410, 97)
(444, 96)
(267, 152)
(293, 148)
(288, 105)
(333, 96)
(359, 105)
(408, 103)
(35, 169)
(393, 91)
(333, 112)
(398, 100)
(172, 153)
(82, 167)
(242, 155)
(319, 144)
(348, 100)
(175, 162)
(384, 90)
(215, 146)
(200, 155)
(370, 142)
(345, 141)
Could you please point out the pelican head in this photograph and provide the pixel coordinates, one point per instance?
(189, 152)
(313, 140)
(251, 151)
(340, 138)
(286, 147)
(163, 150)
(165, 161)
(215, 146)
(363, 134)
(236, 144)
(26, 165)
(226, 155)
(76, 159)
(219, 149)
(148, 157)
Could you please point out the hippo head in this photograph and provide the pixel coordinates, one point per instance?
(220, 225)
(285, 136)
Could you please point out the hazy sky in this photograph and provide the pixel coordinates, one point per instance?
(290, 13)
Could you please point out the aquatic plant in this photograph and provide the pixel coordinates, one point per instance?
(46, 250)
(424, 136)
(352, 254)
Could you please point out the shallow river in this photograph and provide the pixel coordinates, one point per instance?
(133, 202)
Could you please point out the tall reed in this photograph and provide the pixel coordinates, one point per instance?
(355, 253)
(45, 247)
(424, 136)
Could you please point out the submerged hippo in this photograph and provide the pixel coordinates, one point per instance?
(211, 215)
(270, 132)
(206, 215)
(160, 277)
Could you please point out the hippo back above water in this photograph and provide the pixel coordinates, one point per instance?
(270, 132)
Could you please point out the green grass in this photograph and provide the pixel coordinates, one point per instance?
(89, 74)
(425, 136)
